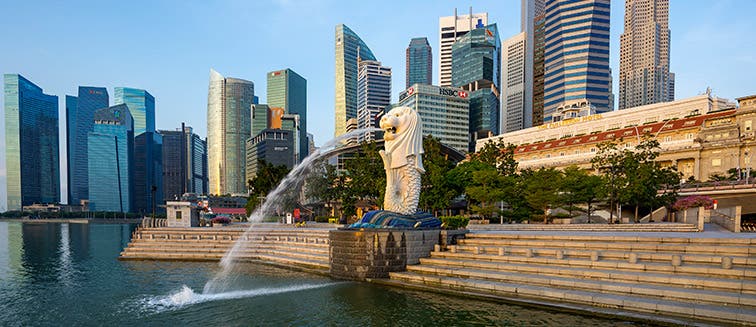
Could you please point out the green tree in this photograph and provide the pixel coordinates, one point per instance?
(498, 154)
(365, 175)
(609, 161)
(579, 186)
(485, 191)
(646, 177)
(267, 178)
(542, 189)
(437, 189)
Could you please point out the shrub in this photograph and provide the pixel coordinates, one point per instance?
(221, 220)
(693, 201)
(321, 219)
(454, 222)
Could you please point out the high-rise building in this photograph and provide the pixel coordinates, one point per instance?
(532, 19)
(229, 101)
(450, 29)
(148, 162)
(576, 54)
(373, 93)
(349, 46)
(444, 111)
(79, 122)
(260, 114)
(292, 123)
(419, 62)
(288, 90)
(514, 110)
(31, 144)
(274, 146)
(184, 163)
(644, 76)
(111, 160)
(476, 60)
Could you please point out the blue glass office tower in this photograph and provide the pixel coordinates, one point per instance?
(148, 162)
(576, 54)
(419, 62)
(111, 160)
(476, 59)
(288, 90)
(31, 143)
(348, 44)
(79, 122)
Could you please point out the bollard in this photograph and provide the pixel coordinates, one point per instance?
(529, 253)
(476, 250)
(595, 255)
(502, 251)
(676, 260)
(453, 249)
(436, 248)
(632, 258)
(560, 254)
(726, 262)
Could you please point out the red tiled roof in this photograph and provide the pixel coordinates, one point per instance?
(628, 132)
(230, 211)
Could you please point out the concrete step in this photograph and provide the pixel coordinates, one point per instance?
(685, 269)
(202, 249)
(665, 257)
(608, 237)
(594, 285)
(710, 249)
(214, 256)
(587, 227)
(631, 277)
(219, 244)
(700, 311)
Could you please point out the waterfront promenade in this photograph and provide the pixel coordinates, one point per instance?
(662, 276)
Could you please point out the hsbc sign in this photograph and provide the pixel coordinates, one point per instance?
(452, 92)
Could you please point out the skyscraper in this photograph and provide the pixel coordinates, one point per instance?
(229, 101)
(184, 163)
(514, 96)
(288, 90)
(576, 54)
(260, 114)
(148, 162)
(79, 122)
(450, 29)
(111, 160)
(419, 62)
(31, 144)
(445, 112)
(532, 20)
(349, 46)
(476, 60)
(644, 54)
(373, 93)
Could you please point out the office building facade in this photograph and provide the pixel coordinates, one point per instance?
(419, 62)
(184, 163)
(476, 60)
(644, 54)
(288, 90)
(348, 47)
(450, 29)
(444, 111)
(111, 160)
(274, 146)
(373, 94)
(514, 98)
(80, 111)
(31, 143)
(229, 102)
(576, 54)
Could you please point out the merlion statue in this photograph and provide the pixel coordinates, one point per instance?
(402, 159)
(403, 162)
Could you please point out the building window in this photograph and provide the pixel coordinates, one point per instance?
(668, 139)
(748, 125)
(178, 215)
(716, 162)
(593, 149)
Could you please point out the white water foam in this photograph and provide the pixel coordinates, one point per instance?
(187, 297)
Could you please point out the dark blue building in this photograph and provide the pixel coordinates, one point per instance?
(111, 160)
(79, 122)
(31, 143)
(419, 62)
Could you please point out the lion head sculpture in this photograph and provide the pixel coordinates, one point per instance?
(403, 135)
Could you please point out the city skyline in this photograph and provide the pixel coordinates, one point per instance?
(175, 50)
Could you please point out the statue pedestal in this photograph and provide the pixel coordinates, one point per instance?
(373, 253)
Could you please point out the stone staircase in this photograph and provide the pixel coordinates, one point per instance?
(684, 278)
(644, 227)
(305, 248)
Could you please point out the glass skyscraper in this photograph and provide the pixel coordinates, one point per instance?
(419, 62)
(576, 54)
(476, 59)
(184, 163)
(229, 102)
(31, 143)
(373, 94)
(111, 160)
(288, 90)
(348, 44)
(79, 122)
(148, 162)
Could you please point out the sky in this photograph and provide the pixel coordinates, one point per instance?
(169, 47)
